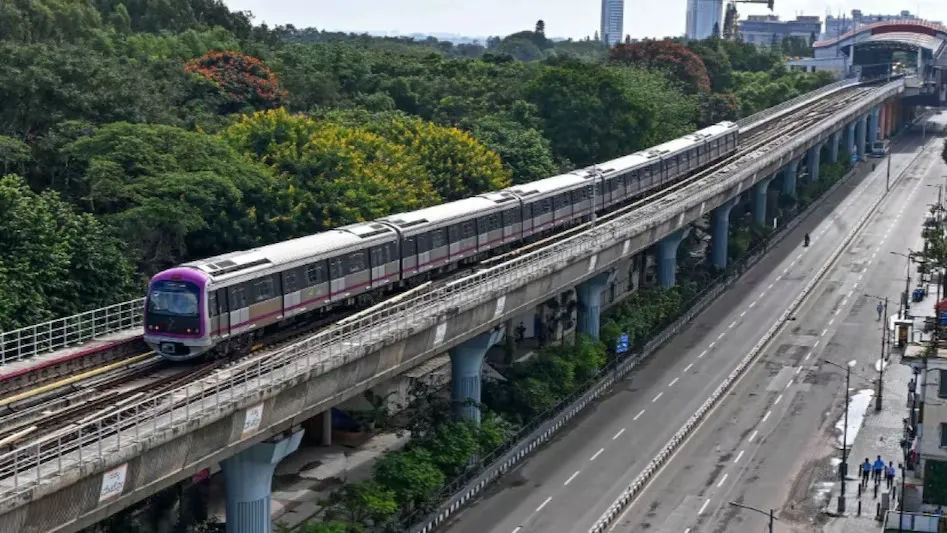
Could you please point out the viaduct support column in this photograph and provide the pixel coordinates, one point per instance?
(883, 122)
(720, 231)
(466, 366)
(873, 125)
(814, 160)
(790, 171)
(860, 137)
(667, 257)
(248, 478)
(759, 201)
(836, 138)
(589, 294)
(850, 138)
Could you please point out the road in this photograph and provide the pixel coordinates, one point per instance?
(572, 481)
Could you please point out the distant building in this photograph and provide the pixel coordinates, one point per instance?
(704, 18)
(613, 16)
(767, 30)
(836, 26)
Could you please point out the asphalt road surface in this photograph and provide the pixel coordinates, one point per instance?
(759, 444)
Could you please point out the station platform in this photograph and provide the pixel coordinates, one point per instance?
(43, 367)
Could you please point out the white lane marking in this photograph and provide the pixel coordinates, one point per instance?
(637, 416)
(779, 277)
(743, 314)
(739, 455)
(688, 367)
(547, 500)
(722, 333)
(673, 381)
(824, 331)
(798, 369)
(831, 320)
(656, 397)
(722, 480)
(517, 529)
(753, 436)
(620, 431)
(570, 478)
(788, 384)
(766, 416)
(704, 506)
(752, 304)
(703, 353)
(734, 323)
(688, 530)
(814, 346)
(770, 287)
(780, 397)
(599, 452)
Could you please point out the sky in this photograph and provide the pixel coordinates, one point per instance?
(563, 18)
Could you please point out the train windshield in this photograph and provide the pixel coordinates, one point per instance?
(173, 298)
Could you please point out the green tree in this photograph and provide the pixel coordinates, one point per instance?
(244, 81)
(175, 194)
(523, 150)
(326, 527)
(358, 502)
(452, 445)
(56, 262)
(411, 474)
(14, 154)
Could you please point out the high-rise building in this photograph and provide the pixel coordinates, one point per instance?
(768, 30)
(704, 18)
(613, 17)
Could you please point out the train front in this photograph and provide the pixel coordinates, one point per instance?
(176, 314)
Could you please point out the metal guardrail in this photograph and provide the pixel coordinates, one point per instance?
(768, 113)
(266, 374)
(55, 334)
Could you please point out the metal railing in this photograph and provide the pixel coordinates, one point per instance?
(768, 113)
(264, 375)
(68, 331)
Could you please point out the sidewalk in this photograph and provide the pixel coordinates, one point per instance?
(880, 434)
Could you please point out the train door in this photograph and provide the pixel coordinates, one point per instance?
(336, 278)
(409, 256)
(239, 308)
(222, 325)
(292, 293)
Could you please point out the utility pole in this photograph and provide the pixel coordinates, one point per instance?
(881, 358)
(844, 466)
(762, 512)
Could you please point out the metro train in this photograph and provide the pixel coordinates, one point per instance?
(223, 304)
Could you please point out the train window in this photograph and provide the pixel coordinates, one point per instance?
(453, 233)
(222, 300)
(527, 211)
(238, 297)
(425, 242)
(409, 246)
(263, 289)
(316, 273)
(511, 216)
(212, 303)
(378, 256)
(391, 250)
(335, 268)
(356, 262)
(289, 281)
(438, 238)
(467, 229)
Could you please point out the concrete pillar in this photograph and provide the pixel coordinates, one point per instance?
(860, 135)
(720, 233)
(248, 478)
(850, 138)
(790, 171)
(834, 141)
(759, 200)
(814, 159)
(667, 257)
(882, 122)
(589, 294)
(466, 365)
(873, 125)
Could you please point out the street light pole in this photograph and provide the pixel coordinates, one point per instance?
(881, 357)
(762, 512)
(848, 374)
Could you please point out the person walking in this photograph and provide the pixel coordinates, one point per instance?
(879, 467)
(889, 475)
(866, 471)
(879, 308)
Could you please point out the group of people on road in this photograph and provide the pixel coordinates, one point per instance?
(876, 470)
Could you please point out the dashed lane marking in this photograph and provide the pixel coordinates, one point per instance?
(688, 367)
(722, 480)
(637, 416)
(657, 397)
(739, 455)
(704, 506)
(571, 478)
(766, 415)
(599, 452)
(547, 500)
(620, 431)
(780, 397)
(671, 384)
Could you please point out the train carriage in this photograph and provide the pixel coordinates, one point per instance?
(557, 201)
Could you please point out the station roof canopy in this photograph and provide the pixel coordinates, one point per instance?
(897, 34)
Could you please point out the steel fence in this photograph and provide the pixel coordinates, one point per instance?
(68, 331)
(767, 114)
(266, 374)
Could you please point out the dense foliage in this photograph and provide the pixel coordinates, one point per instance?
(182, 130)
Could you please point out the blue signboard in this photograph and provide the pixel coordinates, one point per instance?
(621, 345)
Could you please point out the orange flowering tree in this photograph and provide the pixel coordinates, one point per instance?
(242, 80)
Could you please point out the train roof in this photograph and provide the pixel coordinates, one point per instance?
(301, 249)
(458, 210)
(555, 184)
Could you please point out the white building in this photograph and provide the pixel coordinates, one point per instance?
(613, 14)
(704, 18)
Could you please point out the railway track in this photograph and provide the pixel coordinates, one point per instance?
(54, 424)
